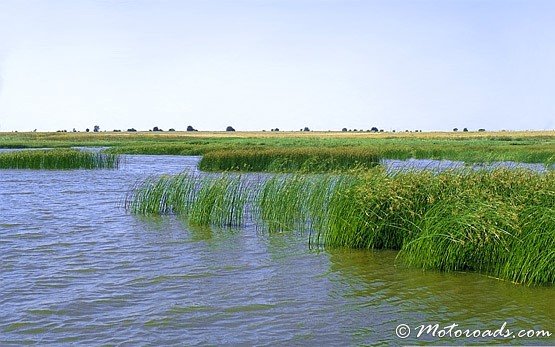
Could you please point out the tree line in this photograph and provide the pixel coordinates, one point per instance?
(190, 128)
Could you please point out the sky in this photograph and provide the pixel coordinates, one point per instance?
(262, 64)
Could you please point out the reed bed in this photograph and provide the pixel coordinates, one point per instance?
(499, 222)
(58, 159)
(296, 159)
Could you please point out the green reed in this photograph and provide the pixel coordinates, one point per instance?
(202, 201)
(296, 159)
(499, 222)
(58, 159)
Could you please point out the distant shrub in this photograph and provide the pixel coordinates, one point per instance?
(465, 130)
(229, 128)
(481, 130)
(455, 129)
(131, 130)
(171, 129)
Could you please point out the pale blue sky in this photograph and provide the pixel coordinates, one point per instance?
(260, 64)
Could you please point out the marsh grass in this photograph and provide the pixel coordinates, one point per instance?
(469, 147)
(500, 222)
(58, 159)
(203, 201)
(297, 159)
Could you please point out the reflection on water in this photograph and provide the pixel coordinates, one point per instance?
(77, 269)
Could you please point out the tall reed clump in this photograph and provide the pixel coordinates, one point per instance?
(298, 202)
(58, 159)
(202, 201)
(499, 222)
(294, 159)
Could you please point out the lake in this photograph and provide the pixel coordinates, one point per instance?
(77, 268)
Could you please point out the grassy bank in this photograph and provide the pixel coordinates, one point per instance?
(57, 159)
(530, 147)
(500, 222)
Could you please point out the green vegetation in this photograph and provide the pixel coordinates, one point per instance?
(203, 201)
(530, 147)
(57, 159)
(290, 160)
(499, 222)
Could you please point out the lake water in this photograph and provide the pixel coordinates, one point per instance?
(76, 268)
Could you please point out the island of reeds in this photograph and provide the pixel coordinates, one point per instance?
(57, 159)
(298, 159)
(498, 222)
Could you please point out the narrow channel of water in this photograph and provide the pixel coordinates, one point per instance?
(76, 268)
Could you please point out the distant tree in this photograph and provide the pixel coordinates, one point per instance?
(374, 130)
(381, 130)
(171, 129)
(74, 130)
(355, 130)
(96, 128)
(276, 129)
(87, 130)
(190, 128)
(229, 128)
(481, 130)
(393, 130)
(455, 129)
(344, 129)
(306, 129)
(156, 129)
(465, 130)
(131, 130)
(117, 131)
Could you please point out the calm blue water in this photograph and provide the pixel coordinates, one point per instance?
(77, 269)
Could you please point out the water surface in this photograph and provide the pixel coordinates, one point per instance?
(76, 268)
